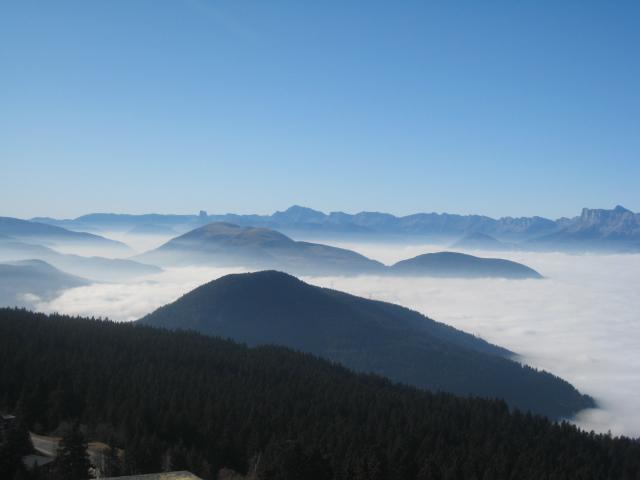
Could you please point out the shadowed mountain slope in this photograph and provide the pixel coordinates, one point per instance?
(211, 403)
(369, 336)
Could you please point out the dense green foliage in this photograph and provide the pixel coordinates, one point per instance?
(367, 336)
(14, 444)
(184, 400)
(72, 459)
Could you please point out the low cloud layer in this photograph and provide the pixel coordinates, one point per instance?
(582, 322)
(130, 301)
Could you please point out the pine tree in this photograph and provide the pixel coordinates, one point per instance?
(72, 459)
(13, 447)
(113, 463)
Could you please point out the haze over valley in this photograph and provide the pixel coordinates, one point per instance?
(248, 240)
(578, 322)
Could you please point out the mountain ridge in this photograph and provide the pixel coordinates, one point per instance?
(480, 241)
(529, 232)
(227, 244)
(18, 229)
(94, 267)
(366, 335)
(22, 278)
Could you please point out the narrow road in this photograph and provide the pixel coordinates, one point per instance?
(45, 445)
(48, 446)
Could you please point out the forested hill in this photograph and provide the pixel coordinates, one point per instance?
(272, 307)
(202, 403)
(454, 264)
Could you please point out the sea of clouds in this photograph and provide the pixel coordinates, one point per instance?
(581, 322)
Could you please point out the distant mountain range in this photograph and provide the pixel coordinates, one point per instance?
(481, 241)
(370, 336)
(593, 230)
(225, 244)
(95, 268)
(26, 281)
(46, 234)
(617, 229)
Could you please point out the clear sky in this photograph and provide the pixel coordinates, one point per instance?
(492, 107)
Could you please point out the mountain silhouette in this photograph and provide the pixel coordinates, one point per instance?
(272, 307)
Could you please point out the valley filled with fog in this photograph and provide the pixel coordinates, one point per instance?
(581, 322)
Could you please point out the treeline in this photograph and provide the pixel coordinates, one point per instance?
(72, 460)
(366, 336)
(186, 401)
(14, 445)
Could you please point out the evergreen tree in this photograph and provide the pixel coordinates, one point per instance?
(15, 444)
(72, 458)
(112, 462)
(269, 412)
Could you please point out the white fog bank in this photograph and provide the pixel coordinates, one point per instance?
(582, 322)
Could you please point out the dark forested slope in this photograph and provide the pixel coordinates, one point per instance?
(201, 403)
(369, 336)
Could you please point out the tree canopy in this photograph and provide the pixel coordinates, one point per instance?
(184, 400)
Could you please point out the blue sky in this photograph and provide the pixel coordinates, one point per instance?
(497, 107)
